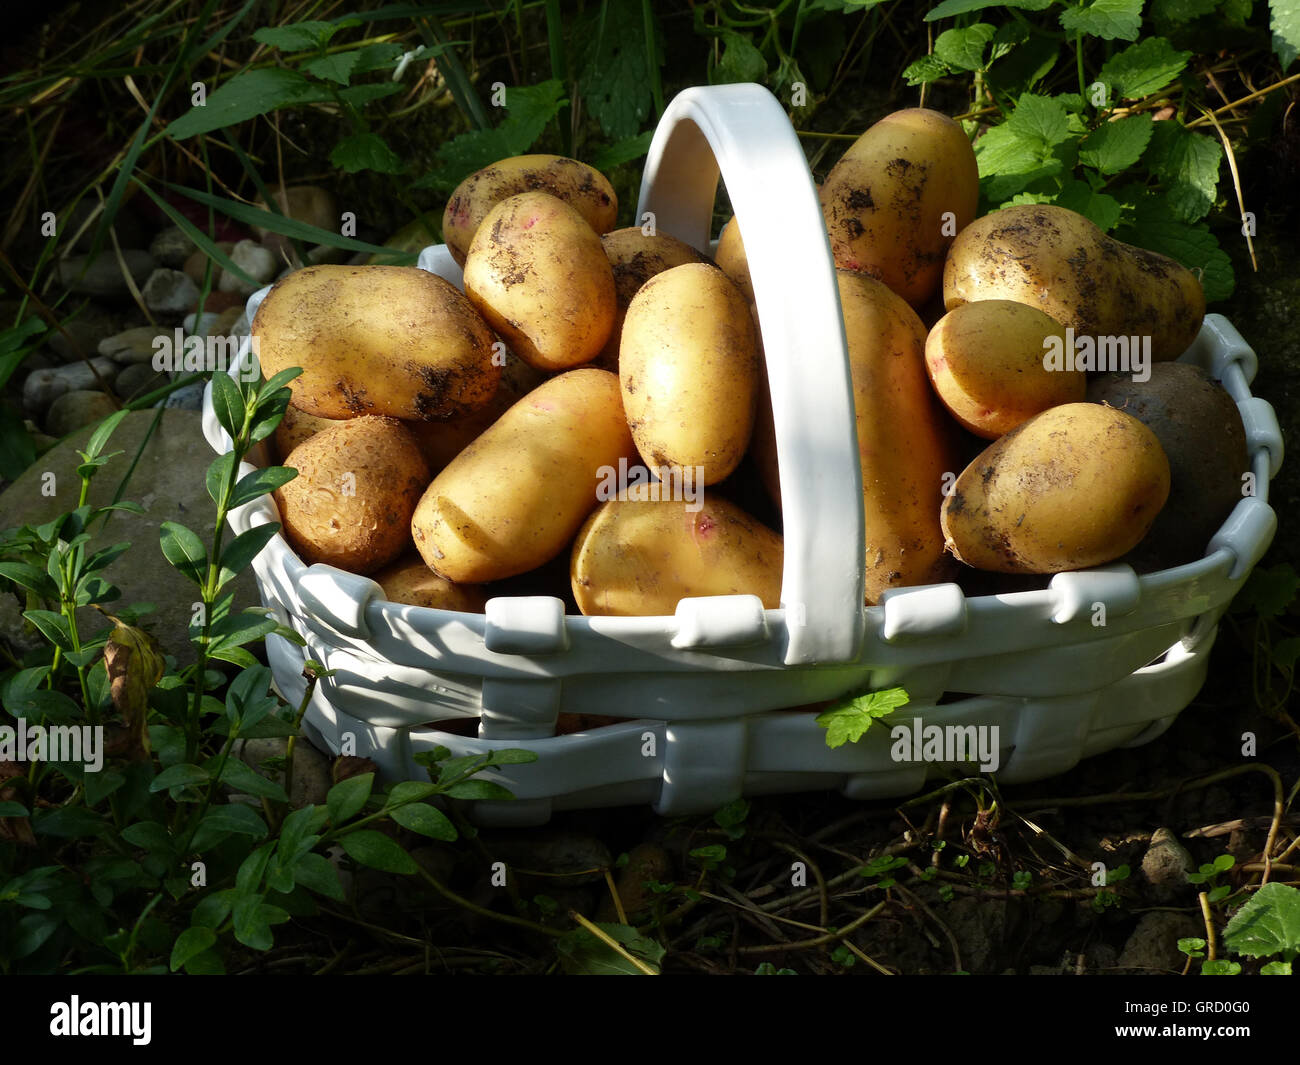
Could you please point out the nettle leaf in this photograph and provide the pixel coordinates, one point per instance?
(964, 48)
(246, 95)
(1180, 11)
(1041, 118)
(1187, 163)
(337, 67)
(740, 61)
(1115, 146)
(1270, 591)
(849, 719)
(1268, 924)
(925, 70)
(614, 81)
(960, 7)
(1142, 69)
(1154, 227)
(1108, 19)
(366, 151)
(299, 36)
(1284, 21)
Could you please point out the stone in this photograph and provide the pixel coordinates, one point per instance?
(82, 333)
(171, 247)
(168, 482)
(169, 292)
(189, 397)
(199, 325)
(217, 301)
(70, 411)
(131, 346)
(1153, 945)
(311, 769)
(256, 261)
(232, 322)
(102, 276)
(1166, 865)
(198, 261)
(43, 387)
(645, 862)
(137, 380)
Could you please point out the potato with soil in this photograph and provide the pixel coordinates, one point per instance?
(731, 259)
(986, 362)
(639, 557)
(689, 371)
(1057, 260)
(1199, 428)
(410, 581)
(1076, 486)
(297, 426)
(894, 202)
(539, 275)
(351, 504)
(515, 497)
(584, 189)
(386, 340)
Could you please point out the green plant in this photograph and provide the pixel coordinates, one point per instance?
(1209, 874)
(848, 719)
(1266, 926)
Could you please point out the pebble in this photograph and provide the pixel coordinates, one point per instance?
(90, 325)
(1166, 865)
(82, 406)
(200, 325)
(44, 386)
(1153, 945)
(232, 322)
(171, 247)
(131, 346)
(139, 379)
(169, 292)
(103, 274)
(198, 261)
(256, 261)
(190, 397)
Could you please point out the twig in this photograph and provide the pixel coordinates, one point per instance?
(613, 893)
(819, 941)
(1211, 945)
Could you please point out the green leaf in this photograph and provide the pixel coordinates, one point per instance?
(102, 432)
(1276, 968)
(260, 482)
(1192, 946)
(582, 954)
(227, 404)
(183, 775)
(479, 789)
(1108, 19)
(247, 95)
(213, 909)
(1187, 164)
(849, 719)
(8, 808)
(374, 849)
(31, 578)
(346, 798)
(220, 471)
(1180, 11)
(949, 8)
(253, 919)
(1115, 146)
(242, 777)
(366, 151)
(1284, 21)
(1154, 227)
(925, 70)
(1220, 967)
(740, 61)
(235, 817)
(1285, 652)
(614, 78)
(1100, 209)
(409, 791)
(964, 48)
(337, 67)
(184, 550)
(54, 627)
(1142, 69)
(1269, 590)
(426, 820)
(1040, 118)
(150, 836)
(512, 756)
(298, 36)
(1268, 924)
(189, 943)
(241, 551)
(17, 451)
(624, 151)
(317, 873)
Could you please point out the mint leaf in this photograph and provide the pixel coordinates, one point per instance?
(337, 67)
(1268, 924)
(245, 96)
(926, 69)
(1100, 209)
(1187, 164)
(1115, 146)
(1108, 19)
(1284, 21)
(959, 7)
(615, 83)
(963, 48)
(1142, 69)
(366, 151)
(848, 720)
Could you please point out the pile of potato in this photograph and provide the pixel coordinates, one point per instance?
(460, 446)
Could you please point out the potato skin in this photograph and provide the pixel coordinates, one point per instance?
(1057, 260)
(731, 259)
(359, 522)
(515, 497)
(886, 202)
(583, 188)
(539, 275)
(410, 581)
(985, 361)
(635, 557)
(1076, 486)
(387, 340)
(689, 371)
(297, 426)
(1199, 428)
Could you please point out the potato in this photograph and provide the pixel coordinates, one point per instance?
(516, 496)
(297, 426)
(903, 443)
(539, 275)
(1054, 259)
(586, 190)
(1076, 486)
(389, 340)
(763, 445)
(410, 581)
(731, 260)
(350, 505)
(689, 371)
(638, 557)
(985, 361)
(1199, 428)
(897, 198)
(635, 258)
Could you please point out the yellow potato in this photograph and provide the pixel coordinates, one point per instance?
(894, 202)
(763, 445)
(986, 361)
(297, 426)
(1076, 486)
(586, 190)
(350, 505)
(515, 497)
(390, 340)
(731, 259)
(903, 441)
(411, 581)
(539, 275)
(636, 557)
(689, 371)
(1056, 260)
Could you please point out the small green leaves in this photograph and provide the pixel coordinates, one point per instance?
(347, 797)
(1142, 69)
(963, 49)
(374, 849)
(848, 720)
(1115, 146)
(1108, 19)
(184, 550)
(426, 820)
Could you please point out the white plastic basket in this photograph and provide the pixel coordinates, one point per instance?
(702, 690)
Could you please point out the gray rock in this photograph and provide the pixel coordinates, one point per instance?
(74, 409)
(256, 261)
(139, 379)
(131, 346)
(978, 926)
(232, 322)
(1153, 946)
(90, 325)
(171, 247)
(103, 275)
(168, 482)
(1166, 865)
(44, 386)
(169, 292)
(200, 325)
(311, 769)
(188, 398)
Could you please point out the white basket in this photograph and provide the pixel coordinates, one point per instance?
(702, 689)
